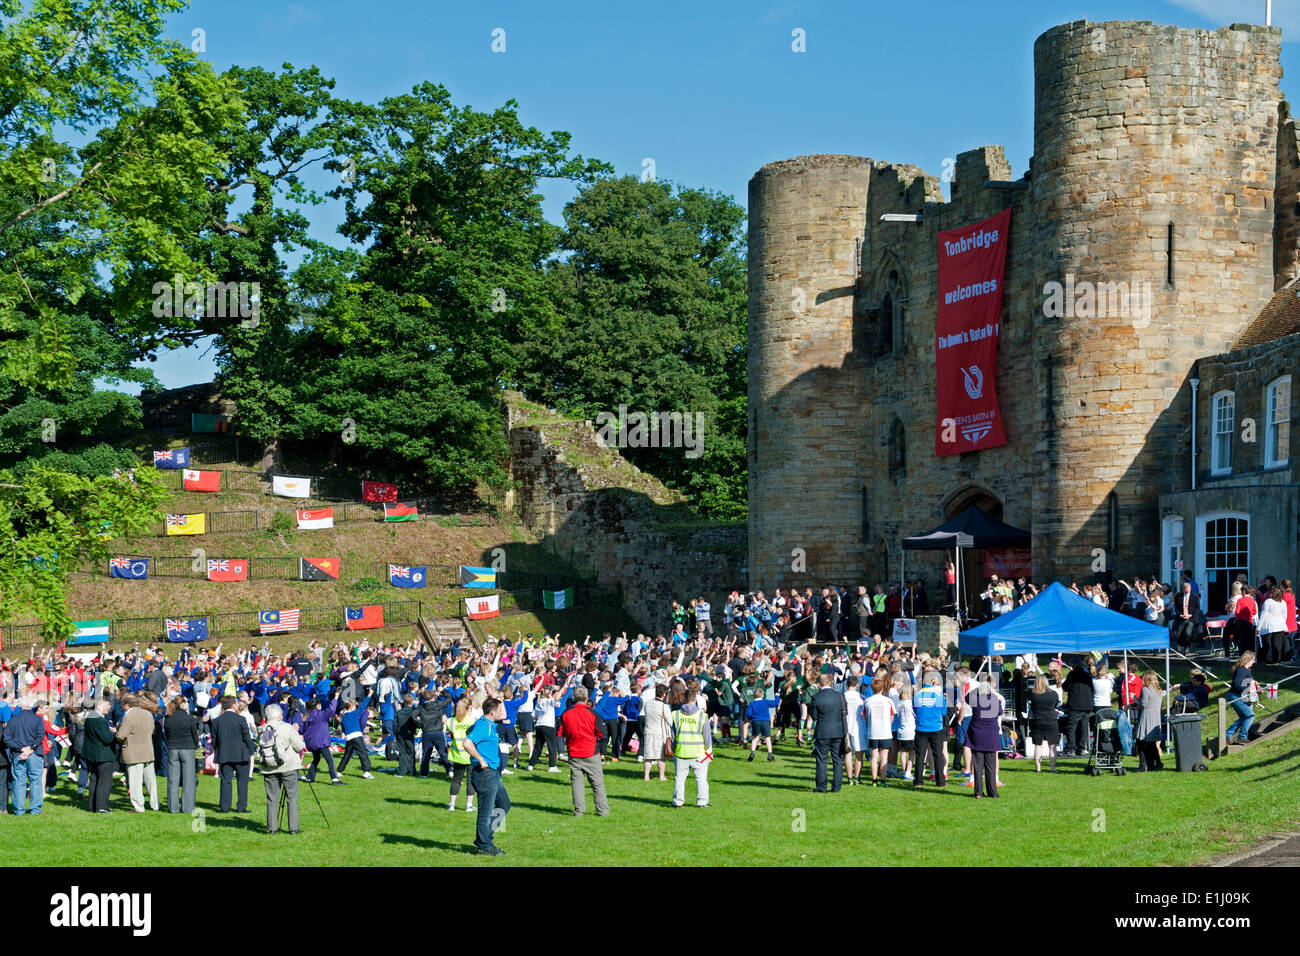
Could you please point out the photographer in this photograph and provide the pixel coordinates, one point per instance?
(279, 751)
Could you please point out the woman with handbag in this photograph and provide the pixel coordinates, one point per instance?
(1147, 732)
(658, 737)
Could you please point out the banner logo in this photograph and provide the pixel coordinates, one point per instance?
(974, 380)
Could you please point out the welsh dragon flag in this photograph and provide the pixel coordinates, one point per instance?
(557, 600)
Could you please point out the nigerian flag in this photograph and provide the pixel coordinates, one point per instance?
(557, 600)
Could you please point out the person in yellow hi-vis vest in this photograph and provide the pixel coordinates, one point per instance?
(692, 749)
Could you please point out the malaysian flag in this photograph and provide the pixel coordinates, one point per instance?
(269, 622)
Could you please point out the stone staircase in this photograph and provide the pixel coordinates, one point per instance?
(442, 632)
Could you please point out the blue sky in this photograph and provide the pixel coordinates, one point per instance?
(710, 91)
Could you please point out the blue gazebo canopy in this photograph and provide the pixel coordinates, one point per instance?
(1060, 621)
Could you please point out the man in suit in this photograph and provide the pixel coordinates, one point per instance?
(1187, 609)
(233, 748)
(156, 679)
(828, 710)
(834, 608)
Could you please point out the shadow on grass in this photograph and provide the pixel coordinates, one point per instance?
(424, 844)
(545, 809)
(233, 820)
(1280, 758)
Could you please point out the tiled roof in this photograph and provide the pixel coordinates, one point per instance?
(1279, 318)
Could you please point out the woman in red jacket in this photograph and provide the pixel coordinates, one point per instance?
(1288, 598)
(1245, 612)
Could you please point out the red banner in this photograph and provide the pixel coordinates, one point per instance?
(972, 263)
(1008, 563)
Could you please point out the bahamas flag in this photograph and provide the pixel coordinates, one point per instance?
(187, 524)
(471, 577)
(558, 600)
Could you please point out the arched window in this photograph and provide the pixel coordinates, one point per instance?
(1223, 423)
(889, 324)
(897, 451)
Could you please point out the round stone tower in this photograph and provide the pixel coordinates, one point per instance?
(807, 217)
(1152, 187)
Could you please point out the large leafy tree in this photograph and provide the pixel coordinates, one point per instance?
(107, 136)
(257, 223)
(651, 314)
(415, 342)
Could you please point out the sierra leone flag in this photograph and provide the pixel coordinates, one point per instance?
(557, 600)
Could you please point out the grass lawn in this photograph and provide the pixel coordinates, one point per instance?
(761, 814)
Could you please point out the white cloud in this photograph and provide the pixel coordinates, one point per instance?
(1220, 13)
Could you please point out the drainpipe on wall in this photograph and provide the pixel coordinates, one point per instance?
(1196, 384)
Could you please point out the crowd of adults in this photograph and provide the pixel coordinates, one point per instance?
(873, 712)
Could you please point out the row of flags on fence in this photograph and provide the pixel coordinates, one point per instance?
(194, 629)
(307, 518)
(287, 486)
(328, 569)
(489, 605)
(231, 569)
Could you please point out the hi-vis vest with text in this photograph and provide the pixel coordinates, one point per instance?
(878, 600)
(688, 734)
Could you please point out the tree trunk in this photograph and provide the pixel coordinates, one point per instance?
(271, 462)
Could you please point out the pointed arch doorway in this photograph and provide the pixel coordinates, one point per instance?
(972, 559)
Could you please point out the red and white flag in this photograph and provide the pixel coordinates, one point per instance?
(315, 518)
(201, 480)
(480, 607)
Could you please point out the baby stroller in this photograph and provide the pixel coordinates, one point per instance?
(1107, 751)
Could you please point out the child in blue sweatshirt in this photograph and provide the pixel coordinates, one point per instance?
(609, 709)
(759, 715)
(354, 721)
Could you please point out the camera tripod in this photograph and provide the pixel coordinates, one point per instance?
(284, 803)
